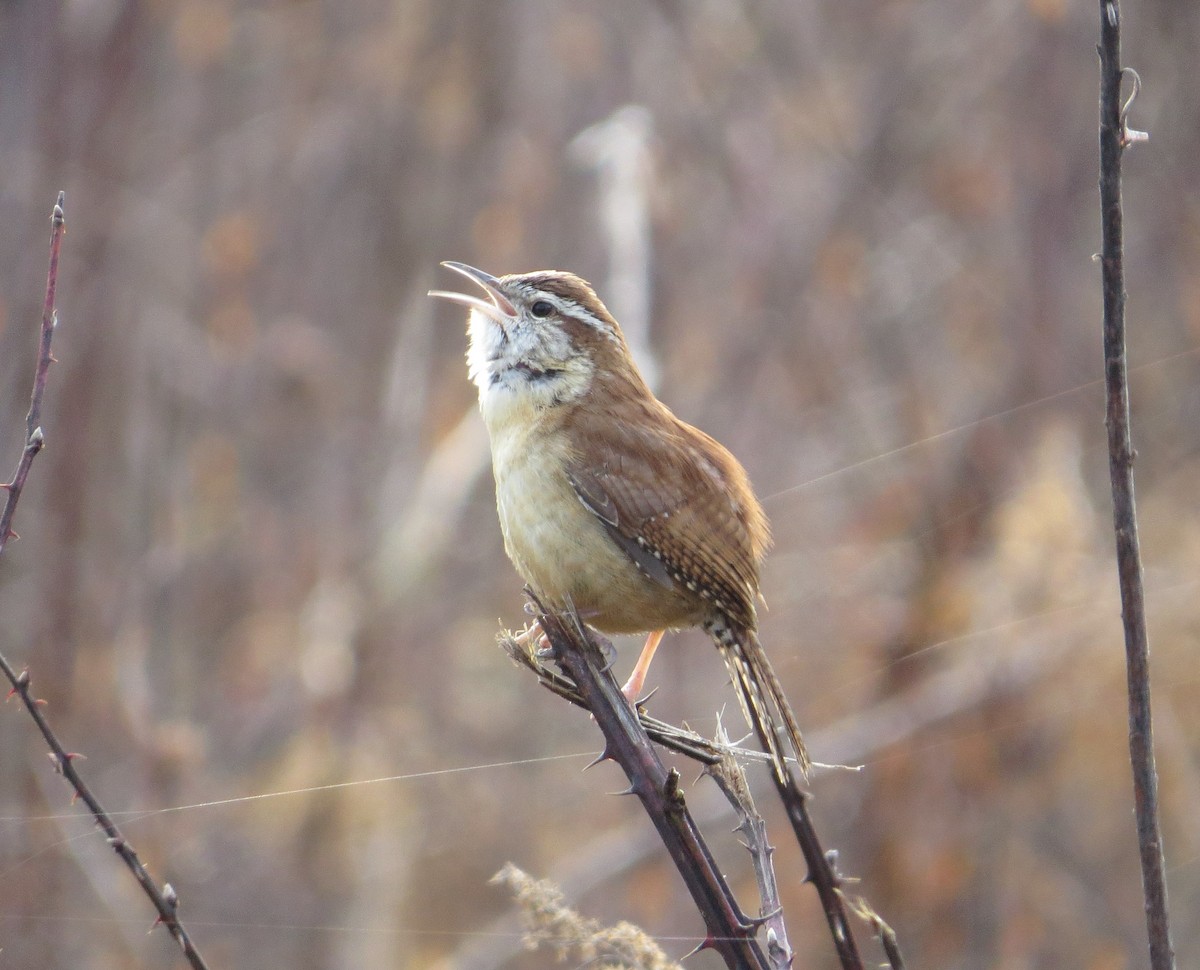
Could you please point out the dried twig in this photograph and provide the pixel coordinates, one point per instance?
(731, 779)
(578, 653)
(678, 739)
(1115, 136)
(822, 865)
(34, 438)
(165, 900)
(721, 760)
(887, 936)
(856, 738)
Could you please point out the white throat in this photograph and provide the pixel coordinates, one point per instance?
(521, 370)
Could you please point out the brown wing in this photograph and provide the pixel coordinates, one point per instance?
(667, 497)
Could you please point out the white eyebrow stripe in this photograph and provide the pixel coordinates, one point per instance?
(567, 306)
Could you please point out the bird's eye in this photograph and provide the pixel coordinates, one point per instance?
(542, 308)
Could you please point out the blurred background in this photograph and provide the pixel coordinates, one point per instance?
(853, 240)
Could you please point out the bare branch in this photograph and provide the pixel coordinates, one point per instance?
(713, 754)
(678, 739)
(581, 657)
(731, 779)
(34, 436)
(822, 866)
(1115, 136)
(165, 900)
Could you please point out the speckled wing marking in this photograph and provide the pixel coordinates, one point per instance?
(599, 502)
(686, 536)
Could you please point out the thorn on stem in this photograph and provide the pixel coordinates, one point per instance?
(642, 701)
(603, 756)
(754, 922)
(61, 761)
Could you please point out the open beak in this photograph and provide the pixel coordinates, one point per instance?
(499, 309)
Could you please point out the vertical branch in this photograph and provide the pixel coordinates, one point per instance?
(731, 779)
(822, 867)
(1114, 137)
(34, 439)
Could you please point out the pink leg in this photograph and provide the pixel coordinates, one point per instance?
(637, 680)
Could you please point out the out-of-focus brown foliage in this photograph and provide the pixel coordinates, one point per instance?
(259, 553)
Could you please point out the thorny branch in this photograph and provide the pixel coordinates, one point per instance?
(943, 696)
(681, 740)
(822, 867)
(717, 756)
(1115, 137)
(720, 760)
(731, 779)
(165, 900)
(576, 650)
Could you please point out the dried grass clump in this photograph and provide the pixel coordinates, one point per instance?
(548, 920)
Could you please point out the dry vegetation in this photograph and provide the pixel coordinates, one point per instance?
(259, 553)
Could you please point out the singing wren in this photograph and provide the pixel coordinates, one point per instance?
(609, 503)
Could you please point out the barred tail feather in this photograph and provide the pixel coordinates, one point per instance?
(761, 696)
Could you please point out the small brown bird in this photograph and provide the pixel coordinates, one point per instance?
(608, 502)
